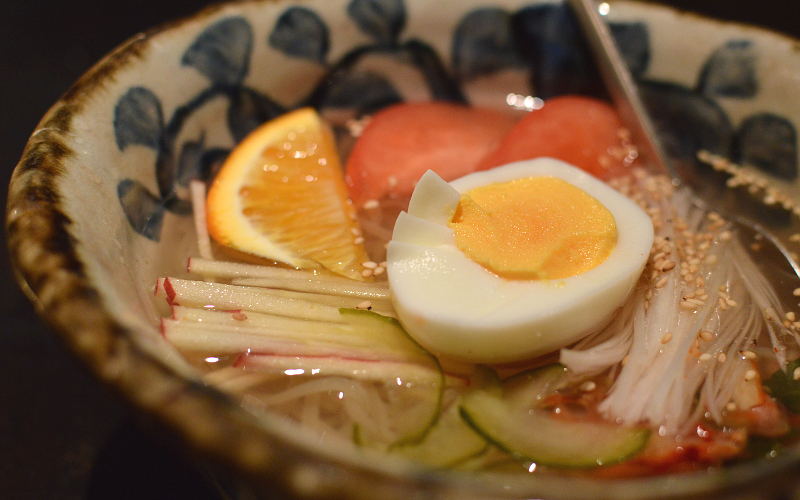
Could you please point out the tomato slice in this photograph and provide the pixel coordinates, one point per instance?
(583, 131)
(403, 141)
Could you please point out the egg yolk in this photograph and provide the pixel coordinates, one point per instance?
(533, 228)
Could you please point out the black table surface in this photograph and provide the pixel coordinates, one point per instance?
(62, 434)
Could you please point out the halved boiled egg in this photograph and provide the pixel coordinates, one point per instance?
(511, 263)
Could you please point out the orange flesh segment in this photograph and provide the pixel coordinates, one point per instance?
(292, 194)
(533, 228)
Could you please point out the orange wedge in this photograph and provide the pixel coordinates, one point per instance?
(281, 195)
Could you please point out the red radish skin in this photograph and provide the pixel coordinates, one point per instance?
(241, 359)
(170, 292)
(403, 141)
(256, 356)
(579, 130)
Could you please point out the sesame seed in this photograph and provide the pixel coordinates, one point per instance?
(705, 356)
(730, 406)
(239, 316)
(358, 240)
(750, 375)
(721, 357)
(364, 305)
(730, 302)
(706, 335)
(378, 271)
(371, 204)
(356, 231)
(666, 338)
(796, 373)
(660, 283)
(665, 265)
(725, 236)
(366, 273)
(796, 292)
(369, 264)
(749, 355)
(588, 386)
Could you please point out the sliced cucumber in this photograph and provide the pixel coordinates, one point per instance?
(506, 415)
(530, 434)
(415, 408)
(450, 442)
(343, 365)
(531, 387)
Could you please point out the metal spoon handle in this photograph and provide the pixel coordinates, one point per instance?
(620, 84)
(633, 114)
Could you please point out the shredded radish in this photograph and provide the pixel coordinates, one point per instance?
(290, 279)
(197, 189)
(698, 279)
(231, 297)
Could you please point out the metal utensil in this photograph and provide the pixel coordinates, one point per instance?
(625, 94)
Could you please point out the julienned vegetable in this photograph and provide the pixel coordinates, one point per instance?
(507, 416)
(684, 356)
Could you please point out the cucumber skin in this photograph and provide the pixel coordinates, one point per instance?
(371, 315)
(384, 322)
(642, 434)
(450, 428)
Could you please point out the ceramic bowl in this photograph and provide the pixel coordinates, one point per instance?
(98, 203)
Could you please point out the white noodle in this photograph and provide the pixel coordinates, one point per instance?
(670, 377)
(315, 386)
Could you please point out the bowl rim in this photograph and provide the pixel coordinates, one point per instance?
(49, 270)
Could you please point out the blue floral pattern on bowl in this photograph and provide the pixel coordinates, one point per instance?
(542, 41)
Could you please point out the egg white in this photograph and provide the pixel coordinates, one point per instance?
(455, 307)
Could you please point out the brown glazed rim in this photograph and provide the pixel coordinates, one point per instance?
(45, 258)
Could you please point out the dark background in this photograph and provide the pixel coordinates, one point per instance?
(62, 434)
